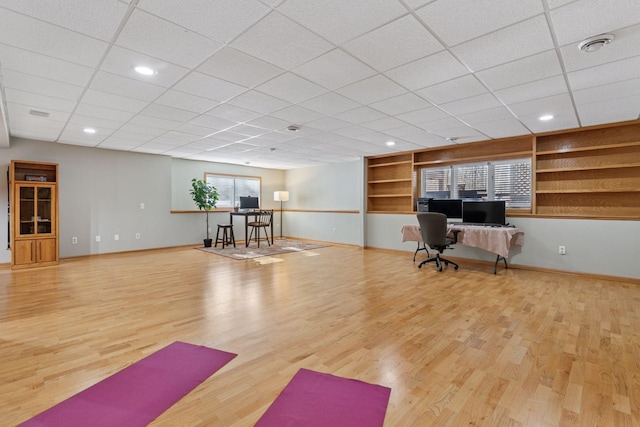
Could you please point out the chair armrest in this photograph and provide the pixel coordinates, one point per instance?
(455, 235)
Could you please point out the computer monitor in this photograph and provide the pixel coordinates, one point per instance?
(249, 202)
(452, 208)
(485, 212)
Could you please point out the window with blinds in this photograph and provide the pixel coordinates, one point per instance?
(508, 180)
(230, 188)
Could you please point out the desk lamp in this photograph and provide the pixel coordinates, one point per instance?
(280, 196)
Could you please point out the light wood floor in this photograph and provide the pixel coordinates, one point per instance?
(457, 348)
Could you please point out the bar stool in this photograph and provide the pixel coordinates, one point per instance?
(227, 237)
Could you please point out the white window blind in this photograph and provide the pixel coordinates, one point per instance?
(230, 188)
(436, 182)
(472, 180)
(512, 181)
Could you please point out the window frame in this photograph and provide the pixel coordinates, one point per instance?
(209, 177)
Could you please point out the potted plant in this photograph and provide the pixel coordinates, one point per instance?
(205, 196)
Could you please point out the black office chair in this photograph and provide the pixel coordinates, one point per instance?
(433, 227)
(263, 220)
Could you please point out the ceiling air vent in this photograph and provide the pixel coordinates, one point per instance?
(38, 113)
(595, 43)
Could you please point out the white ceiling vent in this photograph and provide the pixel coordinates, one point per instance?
(595, 43)
(38, 113)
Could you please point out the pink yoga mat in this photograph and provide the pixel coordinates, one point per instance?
(138, 394)
(316, 399)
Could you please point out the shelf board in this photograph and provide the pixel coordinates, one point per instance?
(589, 148)
(512, 155)
(599, 190)
(403, 162)
(389, 195)
(383, 181)
(616, 166)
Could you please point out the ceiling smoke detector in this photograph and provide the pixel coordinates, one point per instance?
(293, 128)
(595, 43)
(452, 139)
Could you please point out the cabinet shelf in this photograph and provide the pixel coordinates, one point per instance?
(510, 155)
(587, 191)
(378, 165)
(389, 195)
(384, 181)
(589, 148)
(588, 168)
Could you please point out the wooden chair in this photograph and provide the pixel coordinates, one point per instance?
(262, 220)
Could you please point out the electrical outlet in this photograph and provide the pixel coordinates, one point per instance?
(562, 250)
(74, 240)
(137, 236)
(141, 205)
(97, 238)
(116, 237)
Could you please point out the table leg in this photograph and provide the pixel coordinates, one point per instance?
(495, 266)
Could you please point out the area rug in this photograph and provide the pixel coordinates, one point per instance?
(139, 393)
(316, 399)
(279, 246)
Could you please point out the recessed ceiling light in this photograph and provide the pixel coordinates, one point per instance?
(390, 143)
(89, 130)
(595, 43)
(145, 71)
(545, 118)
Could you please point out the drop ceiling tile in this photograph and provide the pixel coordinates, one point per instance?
(169, 113)
(532, 68)
(587, 18)
(509, 44)
(185, 101)
(131, 138)
(534, 90)
(199, 84)
(327, 17)
(492, 115)
(373, 89)
(428, 71)
(291, 88)
(143, 120)
(123, 61)
(617, 110)
(538, 107)
(39, 102)
(328, 124)
(625, 69)
(41, 37)
(259, 102)
(401, 104)
(296, 114)
(608, 92)
(247, 130)
(457, 21)
(116, 102)
(565, 119)
(410, 133)
(238, 67)
(210, 122)
(220, 20)
(95, 122)
(334, 69)
(192, 129)
(123, 86)
(75, 136)
(288, 47)
(423, 115)
(96, 18)
(452, 90)
(161, 39)
(40, 85)
(107, 113)
(401, 41)
(360, 115)
(384, 124)
(21, 110)
(114, 143)
(352, 131)
(503, 128)
(143, 130)
(415, 4)
(485, 101)
(330, 104)
(624, 45)
(35, 64)
(437, 126)
(233, 113)
(269, 123)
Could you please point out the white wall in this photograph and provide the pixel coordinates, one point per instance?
(593, 246)
(101, 192)
(325, 190)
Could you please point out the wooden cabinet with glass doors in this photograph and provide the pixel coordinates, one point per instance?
(34, 214)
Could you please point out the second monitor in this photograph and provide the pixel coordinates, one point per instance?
(249, 202)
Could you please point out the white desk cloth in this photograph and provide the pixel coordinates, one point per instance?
(493, 239)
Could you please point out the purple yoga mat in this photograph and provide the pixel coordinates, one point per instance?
(316, 399)
(139, 393)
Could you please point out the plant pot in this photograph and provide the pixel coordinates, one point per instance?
(207, 243)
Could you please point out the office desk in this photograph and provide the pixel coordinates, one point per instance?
(493, 239)
(246, 216)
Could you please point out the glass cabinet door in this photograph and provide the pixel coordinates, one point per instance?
(36, 207)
